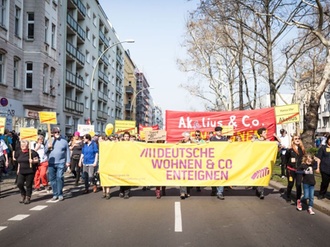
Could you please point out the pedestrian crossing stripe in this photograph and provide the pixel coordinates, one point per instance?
(2, 228)
(19, 217)
(38, 208)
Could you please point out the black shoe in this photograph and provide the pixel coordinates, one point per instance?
(321, 197)
(261, 196)
(182, 196)
(107, 196)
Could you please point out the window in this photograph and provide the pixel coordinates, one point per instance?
(17, 21)
(16, 73)
(53, 41)
(30, 27)
(45, 79)
(88, 11)
(3, 6)
(28, 75)
(46, 30)
(94, 41)
(88, 33)
(51, 81)
(94, 19)
(2, 68)
(88, 56)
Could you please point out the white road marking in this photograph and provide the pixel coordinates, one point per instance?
(38, 208)
(178, 218)
(19, 217)
(2, 228)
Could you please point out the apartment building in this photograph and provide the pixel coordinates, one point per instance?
(94, 68)
(144, 102)
(30, 55)
(130, 87)
(65, 57)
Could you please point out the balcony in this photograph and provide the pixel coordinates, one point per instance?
(120, 60)
(119, 105)
(119, 90)
(103, 38)
(74, 105)
(129, 90)
(75, 80)
(81, 7)
(80, 57)
(72, 23)
(102, 115)
(128, 107)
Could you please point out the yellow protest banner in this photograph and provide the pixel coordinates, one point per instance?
(122, 126)
(209, 164)
(287, 114)
(46, 117)
(2, 125)
(30, 134)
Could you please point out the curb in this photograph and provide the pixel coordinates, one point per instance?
(322, 206)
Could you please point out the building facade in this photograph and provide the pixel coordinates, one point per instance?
(30, 61)
(65, 57)
(130, 87)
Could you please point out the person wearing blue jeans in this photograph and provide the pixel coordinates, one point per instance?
(309, 165)
(58, 152)
(56, 178)
(218, 137)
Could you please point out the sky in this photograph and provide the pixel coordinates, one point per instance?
(158, 28)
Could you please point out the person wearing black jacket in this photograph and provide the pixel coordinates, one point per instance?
(27, 166)
(293, 159)
(323, 160)
(309, 165)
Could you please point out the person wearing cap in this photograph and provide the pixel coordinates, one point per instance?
(58, 152)
(218, 137)
(76, 147)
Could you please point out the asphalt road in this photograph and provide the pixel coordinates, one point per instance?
(241, 219)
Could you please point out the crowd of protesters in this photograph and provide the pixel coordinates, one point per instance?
(42, 164)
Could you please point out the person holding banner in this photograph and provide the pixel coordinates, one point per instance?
(185, 191)
(262, 136)
(293, 157)
(58, 152)
(218, 137)
(124, 191)
(88, 161)
(28, 161)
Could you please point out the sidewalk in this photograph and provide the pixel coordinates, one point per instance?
(7, 184)
(321, 205)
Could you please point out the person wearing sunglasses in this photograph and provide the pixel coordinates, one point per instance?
(293, 158)
(58, 152)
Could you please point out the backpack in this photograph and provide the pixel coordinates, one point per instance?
(10, 148)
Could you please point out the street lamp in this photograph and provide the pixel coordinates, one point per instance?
(94, 70)
(132, 102)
